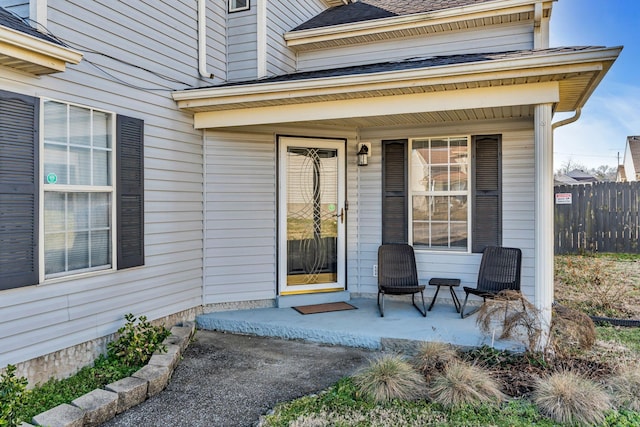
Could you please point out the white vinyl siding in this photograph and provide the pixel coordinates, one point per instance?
(488, 39)
(240, 222)
(282, 17)
(242, 44)
(162, 37)
(518, 207)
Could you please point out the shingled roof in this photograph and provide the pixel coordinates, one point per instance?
(9, 20)
(406, 64)
(366, 10)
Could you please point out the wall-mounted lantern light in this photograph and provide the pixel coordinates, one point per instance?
(363, 153)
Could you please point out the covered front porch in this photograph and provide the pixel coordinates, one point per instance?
(402, 328)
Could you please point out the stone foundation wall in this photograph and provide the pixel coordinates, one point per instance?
(66, 362)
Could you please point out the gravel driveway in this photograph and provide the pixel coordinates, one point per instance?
(230, 380)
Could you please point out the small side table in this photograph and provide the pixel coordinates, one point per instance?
(451, 283)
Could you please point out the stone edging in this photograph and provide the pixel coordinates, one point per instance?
(100, 405)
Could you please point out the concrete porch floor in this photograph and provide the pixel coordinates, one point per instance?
(402, 328)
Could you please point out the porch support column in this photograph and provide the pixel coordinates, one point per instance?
(544, 218)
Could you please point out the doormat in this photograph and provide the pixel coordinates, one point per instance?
(324, 308)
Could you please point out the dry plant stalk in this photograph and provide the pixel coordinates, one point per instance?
(515, 315)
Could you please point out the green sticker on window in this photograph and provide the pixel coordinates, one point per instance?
(332, 207)
(52, 178)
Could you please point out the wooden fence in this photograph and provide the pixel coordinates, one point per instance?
(600, 217)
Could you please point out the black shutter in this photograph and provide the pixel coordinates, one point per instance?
(130, 191)
(487, 192)
(19, 118)
(394, 192)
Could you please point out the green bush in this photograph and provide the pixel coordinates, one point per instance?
(13, 393)
(136, 342)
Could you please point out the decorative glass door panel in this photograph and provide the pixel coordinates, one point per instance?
(311, 215)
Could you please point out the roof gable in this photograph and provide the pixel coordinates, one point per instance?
(634, 149)
(366, 10)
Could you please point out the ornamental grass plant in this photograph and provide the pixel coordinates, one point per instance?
(567, 397)
(625, 388)
(464, 384)
(434, 357)
(389, 377)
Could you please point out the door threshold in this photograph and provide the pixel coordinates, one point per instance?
(288, 301)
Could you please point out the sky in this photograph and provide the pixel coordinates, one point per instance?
(613, 111)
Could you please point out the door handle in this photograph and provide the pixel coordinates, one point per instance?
(341, 216)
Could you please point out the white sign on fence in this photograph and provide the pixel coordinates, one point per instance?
(563, 198)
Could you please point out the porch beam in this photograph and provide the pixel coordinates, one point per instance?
(486, 97)
(544, 221)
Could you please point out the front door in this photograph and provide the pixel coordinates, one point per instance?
(311, 215)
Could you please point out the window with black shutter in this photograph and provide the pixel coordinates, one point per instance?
(19, 193)
(441, 193)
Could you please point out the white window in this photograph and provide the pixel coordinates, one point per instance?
(238, 5)
(440, 193)
(78, 188)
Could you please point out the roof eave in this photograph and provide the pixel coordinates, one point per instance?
(299, 39)
(597, 60)
(37, 55)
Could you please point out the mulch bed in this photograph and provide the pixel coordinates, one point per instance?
(518, 373)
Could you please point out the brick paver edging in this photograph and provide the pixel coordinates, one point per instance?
(100, 405)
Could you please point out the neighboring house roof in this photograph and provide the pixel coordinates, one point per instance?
(26, 49)
(634, 149)
(407, 64)
(581, 176)
(564, 180)
(366, 10)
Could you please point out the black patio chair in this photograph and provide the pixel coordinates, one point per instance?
(397, 274)
(499, 271)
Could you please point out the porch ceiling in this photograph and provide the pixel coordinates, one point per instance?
(507, 87)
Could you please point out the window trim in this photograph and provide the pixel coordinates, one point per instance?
(468, 192)
(112, 190)
(233, 9)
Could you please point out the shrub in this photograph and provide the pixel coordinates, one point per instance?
(625, 387)
(136, 342)
(567, 397)
(464, 384)
(389, 377)
(571, 331)
(433, 357)
(13, 393)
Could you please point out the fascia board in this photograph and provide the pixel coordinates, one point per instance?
(447, 74)
(487, 97)
(482, 10)
(30, 43)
